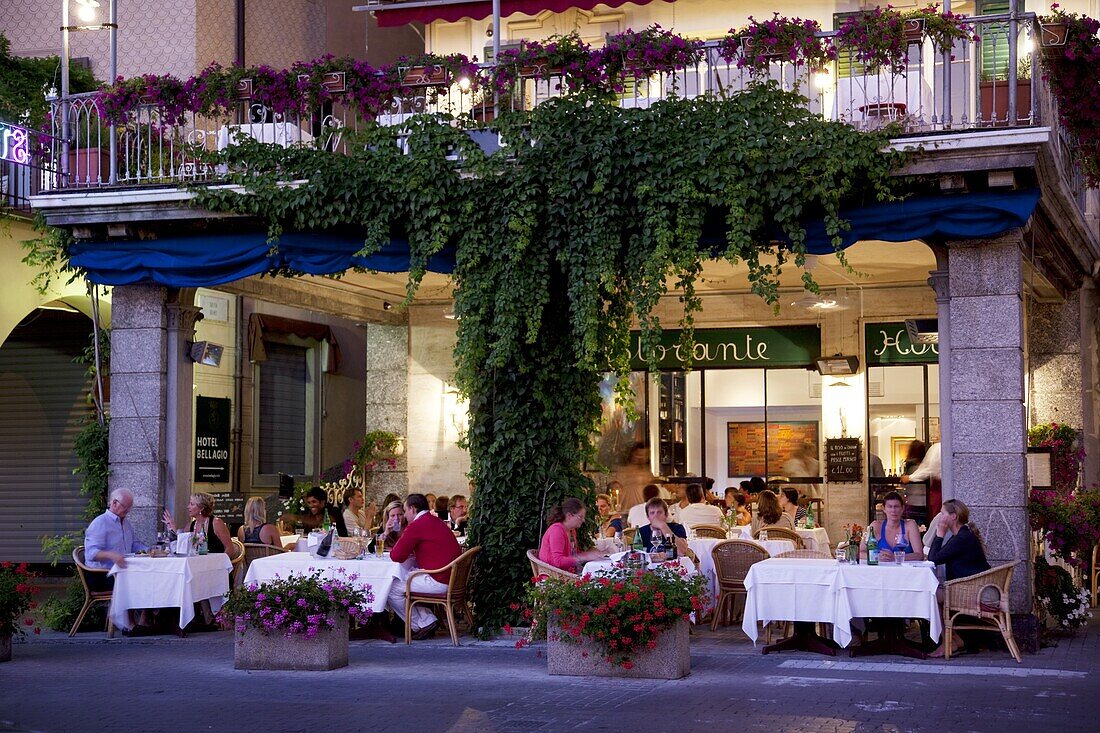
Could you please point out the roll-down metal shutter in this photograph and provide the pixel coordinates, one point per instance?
(42, 405)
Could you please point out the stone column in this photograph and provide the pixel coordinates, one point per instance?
(179, 404)
(1090, 380)
(939, 281)
(387, 401)
(988, 432)
(138, 400)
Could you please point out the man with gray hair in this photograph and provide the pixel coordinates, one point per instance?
(110, 537)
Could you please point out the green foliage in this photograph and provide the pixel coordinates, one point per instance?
(300, 604)
(564, 241)
(25, 80)
(48, 255)
(1059, 597)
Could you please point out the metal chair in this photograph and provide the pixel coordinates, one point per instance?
(456, 595)
(91, 596)
(732, 560)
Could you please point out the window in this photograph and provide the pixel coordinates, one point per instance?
(286, 398)
(993, 50)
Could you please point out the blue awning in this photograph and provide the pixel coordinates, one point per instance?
(206, 261)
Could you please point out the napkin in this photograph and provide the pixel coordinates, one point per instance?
(183, 543)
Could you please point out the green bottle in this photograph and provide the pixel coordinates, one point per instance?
(326, 523)
(872, 546)
(810, 516)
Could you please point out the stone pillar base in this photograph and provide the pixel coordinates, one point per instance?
(1026, 630)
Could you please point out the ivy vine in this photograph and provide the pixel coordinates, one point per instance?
(566, 240)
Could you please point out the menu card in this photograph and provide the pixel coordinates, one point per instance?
(183, 543)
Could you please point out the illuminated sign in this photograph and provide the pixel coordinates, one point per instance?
(13, 144)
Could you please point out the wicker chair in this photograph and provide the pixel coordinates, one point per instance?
(732, 560)
(237, 560)
(711, 531)
(1094, 573)
(90, 596)
(806, 554)
(780, 533)
(628, 535)
(964, 597)
(253, 551)
(456, 594)
(538, 567)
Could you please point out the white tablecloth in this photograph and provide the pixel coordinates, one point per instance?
(783, 589)
(702, 548)
(167, 582)
(377, 574)
(813, 539)
(599, 567)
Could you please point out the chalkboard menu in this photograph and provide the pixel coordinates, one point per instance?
(230, 507)
(843, 460)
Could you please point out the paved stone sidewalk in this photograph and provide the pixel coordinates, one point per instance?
(167, 684)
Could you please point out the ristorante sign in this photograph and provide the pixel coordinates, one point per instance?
(787, 346)
(888, 343)
(14, 145)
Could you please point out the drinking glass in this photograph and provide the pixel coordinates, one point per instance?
(899, 555)
(380, 546)
(764, 536)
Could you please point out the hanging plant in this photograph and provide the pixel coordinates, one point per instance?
(641, 54)
(876, 38)
(942, 28)
(784, 39)
(1070, 524)
(1073, 71)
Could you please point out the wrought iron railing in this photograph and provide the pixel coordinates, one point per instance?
(975, 85)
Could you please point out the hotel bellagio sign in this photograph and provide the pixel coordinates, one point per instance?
(784, 346)
(888, 343)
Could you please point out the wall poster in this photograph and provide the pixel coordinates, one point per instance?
(746, 445)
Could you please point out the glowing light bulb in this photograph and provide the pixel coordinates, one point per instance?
(86, 13)
(464, 84)
(822, 79)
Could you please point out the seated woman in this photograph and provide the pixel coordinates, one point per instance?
(895, 534)
(393, 524)
(256, 529)
(659, 534)
(559, 542)
(788, 502)
(741, 507)
(610, 522)
(201, 509)
(962, 555)
(769, 513)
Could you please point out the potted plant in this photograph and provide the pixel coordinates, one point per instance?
(993, 94)
(1054, 29)
(436, 73)
(783, 39)
(1059, 598)
(17, 591)
(300, 622)
(942, 28)
(628, 623)
(1070, 69)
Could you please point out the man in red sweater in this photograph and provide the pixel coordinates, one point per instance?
(429, 541)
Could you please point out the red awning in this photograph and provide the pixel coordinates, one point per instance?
(395, 14)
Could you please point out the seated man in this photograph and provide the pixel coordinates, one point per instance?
(637, 516)
(457, 509)
(356, 516)
(110, 537)
(430, 543)
(697, 511)
(317, 507)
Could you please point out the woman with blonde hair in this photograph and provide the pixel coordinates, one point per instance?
(961, 556)
(256, 529)
(393, 523)
(200, 509)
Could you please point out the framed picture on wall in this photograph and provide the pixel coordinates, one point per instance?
(933, 430)
(749, 455)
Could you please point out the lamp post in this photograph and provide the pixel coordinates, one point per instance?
(86, 12)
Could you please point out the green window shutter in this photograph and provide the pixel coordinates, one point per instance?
(846, 65)
(993, 51)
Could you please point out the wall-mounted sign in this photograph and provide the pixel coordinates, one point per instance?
(888, 343)
(786, 346)
(212, 440)
(843, 460)
(14, 145)
(230, 507)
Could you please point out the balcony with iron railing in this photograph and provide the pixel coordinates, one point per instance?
(976, 86)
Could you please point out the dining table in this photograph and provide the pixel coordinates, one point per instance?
(812, 539)
(376, 574)
(602, 567)
(811, 591)
(173, 581)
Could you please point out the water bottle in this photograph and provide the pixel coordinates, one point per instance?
(810, 516)
(204, 548)
(619, 542)
(326, 523)
(872, 546)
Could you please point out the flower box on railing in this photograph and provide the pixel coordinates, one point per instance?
(913, 29)
(1053, 34)
(424, 76)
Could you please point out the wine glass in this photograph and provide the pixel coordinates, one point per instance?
(899, 551)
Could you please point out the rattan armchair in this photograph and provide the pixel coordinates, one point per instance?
(628, 535)
(538, 567)
(711, 531)
(456, 595)
(806, 554)
(237, 560)
(732, 560)
(984, 599)
(91, 597)
(780, 533)
(254, 551)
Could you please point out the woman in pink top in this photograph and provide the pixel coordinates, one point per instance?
(559, 543)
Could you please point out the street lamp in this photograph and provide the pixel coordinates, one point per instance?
(86, 11)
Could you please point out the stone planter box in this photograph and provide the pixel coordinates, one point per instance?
(669, 660)
(328, 650)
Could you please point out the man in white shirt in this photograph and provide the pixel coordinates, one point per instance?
(354, 517)
(697, 511)
(930, 471)
(680, 501)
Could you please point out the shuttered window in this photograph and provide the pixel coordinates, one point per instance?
(43, 408)
(283, 414)
(994, 44)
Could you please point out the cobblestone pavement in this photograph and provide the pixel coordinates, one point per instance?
(167, 684)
